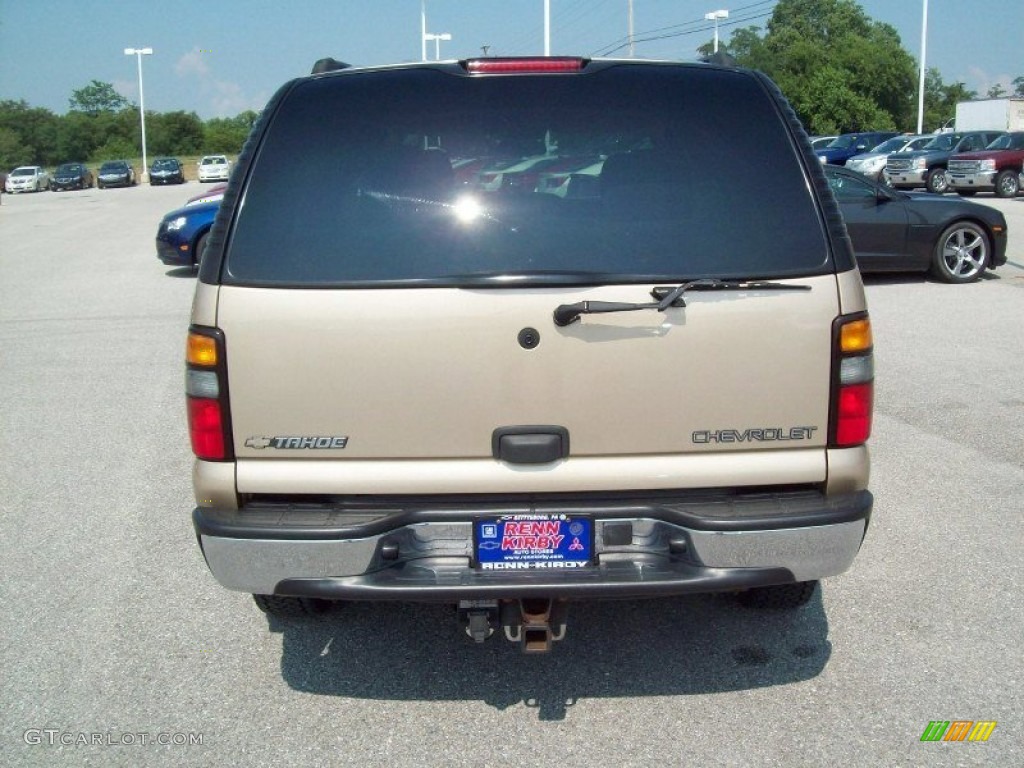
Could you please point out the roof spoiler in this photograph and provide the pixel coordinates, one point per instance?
(328, 65)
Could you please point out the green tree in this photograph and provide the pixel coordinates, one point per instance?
(116, 135)
(78, 135)
(97, 97)
(174, 133)
(940, 99)
(1018, 86)
(12, 152)
(35, 128)
(116, 148)
(840, 70)
(996, 92)
(228, 134)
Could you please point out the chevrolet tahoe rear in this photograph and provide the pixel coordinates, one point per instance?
(401, 387)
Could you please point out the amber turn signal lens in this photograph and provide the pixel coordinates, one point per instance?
(202, 350)
(856, 336)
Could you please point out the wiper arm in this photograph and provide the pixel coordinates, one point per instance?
(665, 297)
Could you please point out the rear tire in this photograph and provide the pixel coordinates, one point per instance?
(961, 253)
(1007, 184)
(784, 597)
(291, 607)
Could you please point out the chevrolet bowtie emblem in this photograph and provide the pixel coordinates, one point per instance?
(257, 442)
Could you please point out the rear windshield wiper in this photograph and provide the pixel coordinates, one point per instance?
(665, 297)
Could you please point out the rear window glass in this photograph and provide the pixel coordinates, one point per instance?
(631, 173)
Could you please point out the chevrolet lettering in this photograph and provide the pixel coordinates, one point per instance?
(767, 435)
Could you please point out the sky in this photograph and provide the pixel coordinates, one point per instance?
(220, 57)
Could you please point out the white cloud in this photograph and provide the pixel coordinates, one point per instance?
(981, 81)
(192, 63)
(223, 97)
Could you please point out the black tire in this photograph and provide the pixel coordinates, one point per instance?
(961, 253)
(784, 597)
(100, 186)
(937, 181)
(291, 607)
(1007, 184)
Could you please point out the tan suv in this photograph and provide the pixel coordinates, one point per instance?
(408, 384)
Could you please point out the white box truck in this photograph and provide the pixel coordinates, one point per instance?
(1006, 114)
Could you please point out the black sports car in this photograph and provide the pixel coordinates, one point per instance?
(892, 231)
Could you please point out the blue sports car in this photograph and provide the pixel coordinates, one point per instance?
(182, 234)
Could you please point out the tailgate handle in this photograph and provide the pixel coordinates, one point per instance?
(530, 444)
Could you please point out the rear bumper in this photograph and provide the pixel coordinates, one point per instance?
(645, 546)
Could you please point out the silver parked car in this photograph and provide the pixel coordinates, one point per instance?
(872, 164)
(27, 178)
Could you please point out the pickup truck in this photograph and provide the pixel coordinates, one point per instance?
(996, 169)
(927, 166)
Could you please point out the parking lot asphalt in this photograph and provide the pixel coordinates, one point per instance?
(116, 633)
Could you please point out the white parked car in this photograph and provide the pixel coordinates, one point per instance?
(27, 178)
(214, 168)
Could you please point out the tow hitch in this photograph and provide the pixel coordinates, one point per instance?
(534, 623)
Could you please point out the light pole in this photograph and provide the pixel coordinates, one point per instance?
(547, 27)
(437, 42)
(920, 85)
(715, 16)
(139, 53)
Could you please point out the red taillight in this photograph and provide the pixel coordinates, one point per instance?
(206, 428)
(546, 65)
(853, 414)
(209, 422)
(853, 388)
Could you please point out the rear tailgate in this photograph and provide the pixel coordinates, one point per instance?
(417, 382)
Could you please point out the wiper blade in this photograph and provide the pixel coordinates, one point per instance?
(665, 297)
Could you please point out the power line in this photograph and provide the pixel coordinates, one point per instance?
(754, 11)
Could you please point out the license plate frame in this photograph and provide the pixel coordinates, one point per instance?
(533, 542)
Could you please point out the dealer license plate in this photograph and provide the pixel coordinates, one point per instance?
(533, 542)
